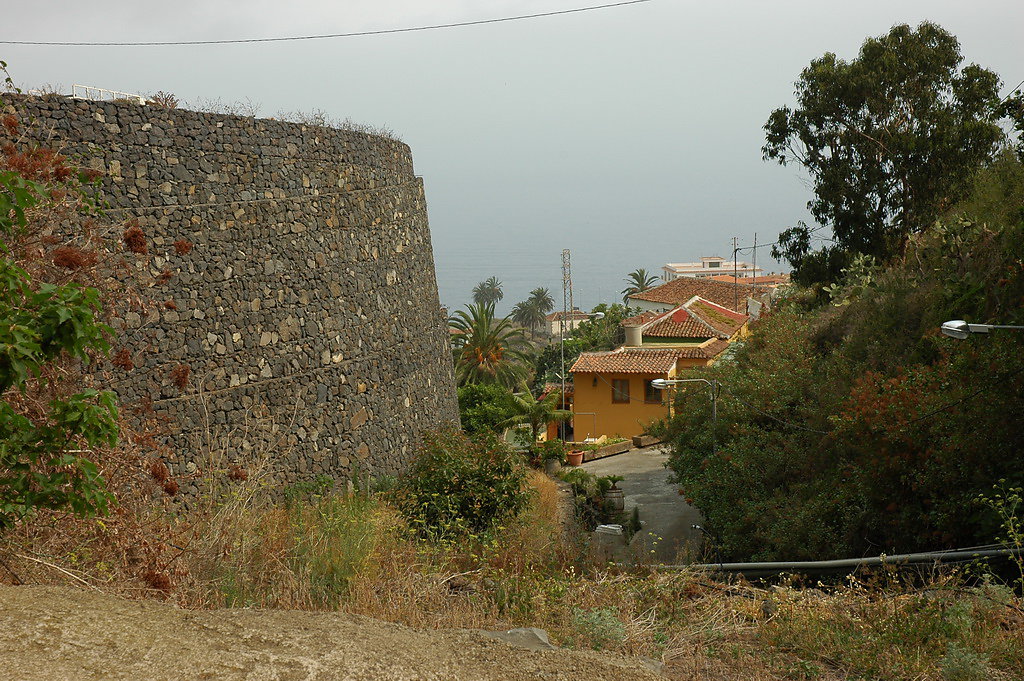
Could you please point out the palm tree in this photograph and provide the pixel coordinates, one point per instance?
(541, 297)
(528, 314)
(527, 410)
(488, 350)
(488, 291)
(639, 281)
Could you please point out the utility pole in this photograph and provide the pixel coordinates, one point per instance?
(753, 275)
(735, 275)
(566, 307)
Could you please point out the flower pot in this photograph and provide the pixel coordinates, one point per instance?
(614, 501)
(552, 466)
(575, 458)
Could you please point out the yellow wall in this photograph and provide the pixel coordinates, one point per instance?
(613, 419)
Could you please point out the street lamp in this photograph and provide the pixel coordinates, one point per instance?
(662, 383)
(960, 329)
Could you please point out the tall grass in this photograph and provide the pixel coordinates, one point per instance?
(353, 552)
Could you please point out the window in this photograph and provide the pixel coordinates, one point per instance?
(714, 263)
(652, 395)
(620, 390)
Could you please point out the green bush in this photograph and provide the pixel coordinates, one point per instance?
(459, 486)
(482, 407)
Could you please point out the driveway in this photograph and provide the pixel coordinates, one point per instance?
(665, 515)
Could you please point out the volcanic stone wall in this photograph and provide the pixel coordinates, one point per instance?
(304, 323)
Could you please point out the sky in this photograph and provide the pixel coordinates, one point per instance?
(630, 135)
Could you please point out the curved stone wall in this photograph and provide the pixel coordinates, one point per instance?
(306, 311)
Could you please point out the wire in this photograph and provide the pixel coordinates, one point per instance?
(934, 412)
(771, 416)
(353, 34)
(1011, 92)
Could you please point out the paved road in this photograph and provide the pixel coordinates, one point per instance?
(665, 514)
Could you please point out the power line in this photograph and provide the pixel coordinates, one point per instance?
(353, 34)
(1011, 92)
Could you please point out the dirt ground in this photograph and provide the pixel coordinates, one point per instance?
(61, 633)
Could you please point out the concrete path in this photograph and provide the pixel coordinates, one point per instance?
(665, 515)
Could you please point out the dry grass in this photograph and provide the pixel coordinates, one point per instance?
(352, 552)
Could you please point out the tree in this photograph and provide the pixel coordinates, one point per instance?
(41, 447)
(541, 298)
(486, 349)
(488, 292)
(527, 410)
(890, 139)
(527, 315)
(639, 281)
(484, 407)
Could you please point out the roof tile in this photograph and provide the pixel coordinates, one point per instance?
(681, 290)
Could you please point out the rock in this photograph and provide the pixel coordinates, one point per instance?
(530, 638)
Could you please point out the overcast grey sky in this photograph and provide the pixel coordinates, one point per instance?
(630, 135)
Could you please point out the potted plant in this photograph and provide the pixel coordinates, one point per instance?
(552, 454)
(614, 500)
(575, 457)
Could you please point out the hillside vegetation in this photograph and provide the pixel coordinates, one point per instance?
(849, 425)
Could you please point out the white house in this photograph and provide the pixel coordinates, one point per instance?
(709, 266)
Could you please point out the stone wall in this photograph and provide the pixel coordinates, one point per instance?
(306, 311)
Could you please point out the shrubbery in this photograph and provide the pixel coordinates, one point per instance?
(852, 426)
(459, 486)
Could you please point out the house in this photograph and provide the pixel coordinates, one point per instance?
(742, 297)
(613, 393)
(709, 266)
(572, 320)
(770, 280)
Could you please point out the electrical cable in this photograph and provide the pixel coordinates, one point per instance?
(1011, 92)
(353, 34)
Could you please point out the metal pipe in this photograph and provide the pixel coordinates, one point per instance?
(849, 564)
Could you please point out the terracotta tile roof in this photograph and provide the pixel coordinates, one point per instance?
(709, 351)
(767, 280)
(642, 318)
(679, 291)
(628, 361)
(697, 318)
(723, 320)
(555, 388)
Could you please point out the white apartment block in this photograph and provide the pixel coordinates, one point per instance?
(709, 266)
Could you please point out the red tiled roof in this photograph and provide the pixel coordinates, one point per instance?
(627, 361)
(723, 320)
(556, 388)
(679, 291)
(697, 318)
(709, 351)
(642, 318)
(690, 327)
(767, 280)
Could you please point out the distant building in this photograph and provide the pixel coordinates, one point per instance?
(572, 321)
(709, 266)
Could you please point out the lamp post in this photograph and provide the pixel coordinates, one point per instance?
(662, 383)
(958, 328)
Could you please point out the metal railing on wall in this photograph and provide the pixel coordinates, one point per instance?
(102, 94)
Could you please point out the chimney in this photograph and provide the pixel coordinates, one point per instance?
(634, 337)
